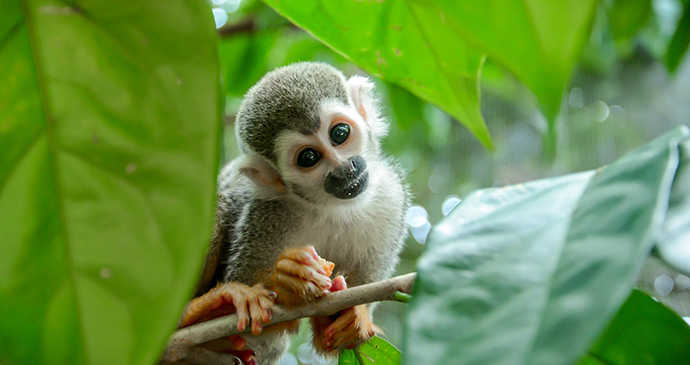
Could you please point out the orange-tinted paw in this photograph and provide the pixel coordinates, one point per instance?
(301, 276)
(251, 304)
(351, 328)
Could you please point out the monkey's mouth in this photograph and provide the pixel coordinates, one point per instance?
(349, 188)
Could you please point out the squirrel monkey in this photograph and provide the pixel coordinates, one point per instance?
(311, 178)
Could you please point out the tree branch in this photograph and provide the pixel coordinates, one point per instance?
(182, 342)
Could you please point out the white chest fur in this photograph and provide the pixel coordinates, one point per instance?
(358, 234)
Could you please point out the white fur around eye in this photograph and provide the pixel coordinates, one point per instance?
(288, 146)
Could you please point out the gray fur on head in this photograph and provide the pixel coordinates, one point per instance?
(286, 98)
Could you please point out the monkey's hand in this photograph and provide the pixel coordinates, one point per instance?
(348, 328)
(251, 304)
(301, 276)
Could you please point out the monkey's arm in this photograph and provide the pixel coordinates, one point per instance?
(213, 297)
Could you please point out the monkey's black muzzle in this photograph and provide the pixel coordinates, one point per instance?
(349, 180)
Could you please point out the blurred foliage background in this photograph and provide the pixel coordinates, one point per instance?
(628, 88)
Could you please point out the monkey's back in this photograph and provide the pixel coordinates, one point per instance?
(234, 193)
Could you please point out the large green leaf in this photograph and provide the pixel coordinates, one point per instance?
(539, 41)
(674, 241)
(406, 42)
(530, 274)
(109, 121)
(644, 331)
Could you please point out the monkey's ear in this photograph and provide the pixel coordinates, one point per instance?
(262, 173)
(360, 90)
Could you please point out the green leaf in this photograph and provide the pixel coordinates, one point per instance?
(643, 331)
(627, 17)
(408, 43)
(375, 351)
(244, 57)
(674, 242)
(109, 121)
(407, 109)
(539, 41)
(680, 42)
(530, 274)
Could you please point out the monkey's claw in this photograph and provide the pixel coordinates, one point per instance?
(301, 276)
(252, 304)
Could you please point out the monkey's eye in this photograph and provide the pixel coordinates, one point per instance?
(308, 157)
(339, 133)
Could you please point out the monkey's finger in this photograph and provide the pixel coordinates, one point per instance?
(304, 255)
(266, 309)
(259, 290)
(242, 313)
(247, 356)
(338, 284)
(347, 339)
(305, 289)
(319, 324)
(293, 268)
(202, 307)
(346, 319)
(237, 342)
(312, 251)
(256, 313)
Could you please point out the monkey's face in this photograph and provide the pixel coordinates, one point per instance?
(330, 165)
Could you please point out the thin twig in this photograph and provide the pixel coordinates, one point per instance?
(246, 26)
(182, 341)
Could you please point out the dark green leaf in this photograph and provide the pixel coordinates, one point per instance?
(408, 43)
(407, 109)
(244, 57)
(375, 351)
(532, 273)
(109, 117)
(643, 331)
(680, 41)
(627, 17)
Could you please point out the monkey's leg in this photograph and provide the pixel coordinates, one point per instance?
(301, 276)
(348, 328)
(251, 304)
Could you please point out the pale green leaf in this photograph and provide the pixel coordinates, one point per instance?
(530, 274)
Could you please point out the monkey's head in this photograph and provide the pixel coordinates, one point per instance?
(308, 132)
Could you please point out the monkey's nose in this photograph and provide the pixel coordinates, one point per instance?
(348, 180)
(351, 169)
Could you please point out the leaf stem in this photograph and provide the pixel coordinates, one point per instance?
(402, 297)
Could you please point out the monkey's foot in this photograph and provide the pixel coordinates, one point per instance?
(301, 276)
(251, 304)
(348, 328)
(351, 328)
